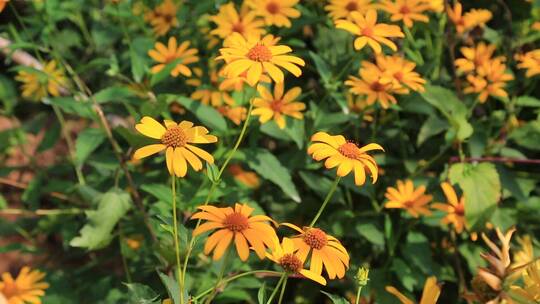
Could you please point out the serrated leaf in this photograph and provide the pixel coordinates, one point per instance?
(206, 114)
(87, 142)
(97, 233)
(482, 189)
(269, 167)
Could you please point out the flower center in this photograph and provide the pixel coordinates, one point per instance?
(238, 27)
(377, 86)
(459, 210)
(236, 222)
(349, 150)
(174, 137)
(168, 18)
(368, 32)
(259, 53)
(315, 238)
(398, 76)
(276, 105)
(351, 6)
(272, 8)
(404, 10)
(290, 263)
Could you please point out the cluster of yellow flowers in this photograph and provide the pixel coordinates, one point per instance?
(38, 82)
(529, 61)
(28, 287)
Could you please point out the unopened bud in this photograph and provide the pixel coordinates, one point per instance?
(362, 276)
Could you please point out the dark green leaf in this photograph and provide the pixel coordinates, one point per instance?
(336, 299)
(87, 142)
(141, 294)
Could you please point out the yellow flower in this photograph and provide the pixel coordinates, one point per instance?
(275, 12)
(342, 9)
(530, 61)
(237, 83)
(531, 279)
(406, 10)
(235, 225)
(236, 114)
(248, 178)
(402, 73)
(536, 26)
(430, 295)
(526, 254)
(176, 140)
(285, 255)
(359, 105)
(471, 19)
(278, 105)
(167, 54)
(490, 80)
(408, 198)
(258, 57)
(228, 21)
(209, 94)
(454, 208)
(36, 84)
(163, 17)
(369, 32)
(435, 5)
(475, 57)
(28, 287)
(375, 84)
(326, 251)
(134, 242)
(345, 155)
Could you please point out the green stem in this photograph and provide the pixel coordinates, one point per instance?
(214, 185)
(274, 292)
(176, 243)
(123, 254)
(220, 277)
(326, 200)
(282, 290)
(358, 294)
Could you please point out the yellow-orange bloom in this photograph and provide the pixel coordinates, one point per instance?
(531, 279)
(490, 80)
(209, 94)
(435, 5)
(342, 9)
(176, 140)
(454, 208)
(236, 114)
(3, 4)
(167, 54)
(406, 10)
(402, 73)
(257, 57)
(28, 287)
(285, 255)
(530, 61)
(163, 17)
(278, 105)
(471, 19)
(475, 57)
(235, 225)
(248, 178)
(369, 31)
(345, 155)
(37, 83)
(430, 294)
(326, 251)
(359, 105)
(408, 198)
(229, 21)
(275, 12)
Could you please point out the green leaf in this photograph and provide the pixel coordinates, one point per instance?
(212, 171)
(69, 105)
(206, 114)
(141, 294)
(87, 142)
(431, 127)
(451, 107)
(528, 101)
(294, 130)
(159, 191)
(269, 167)
(322, 67)
(261, 294)
(482, 189)
(113, 93)
(97, 233)
(336, 299)
(137, 53)
(371, 233)
(528, 135)
(172, 288)
(51, 137)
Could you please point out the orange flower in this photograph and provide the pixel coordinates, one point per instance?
(408, 198)
(278, 105)
(342, 9)
(471, 19)
(475, 57)
(248, 178)
(530, 61)
(490, 80)
(228, 21)
(275, 12)
(454, 208)
(236, 225)
(165, 55)
(28, 287)
(163, 17)
(406, 10)
(402, 73)
(430, 294)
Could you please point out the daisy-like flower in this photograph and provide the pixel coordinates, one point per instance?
(530, 61)
(285, 255)
(167, 54)
(404, 196)
(326, 251)
(36, 84)
(28, 287)
(275, 12)
(209, 93)
(229, 21)
(490, 80)
(162, 18)
(369, 31)
(454, 208)
(248, 178)
(430, 294)
(342, 9)
(236, 114)
(402, 73)
(408, 11)
(177, 140)
(435, 5)
(375, 85)
(235, 225)
(470, 20)
(359, 105)
(257, 57)
(278, 105)
(474, 57)
(345, 155)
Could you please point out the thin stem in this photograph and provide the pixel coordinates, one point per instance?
(41, 212)
(214, 185)
(358, 294)
(69, 141)
(123, 254)
(282, 290)
(326, 200)
(274, 292)
(220, 276)
(176, 243)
